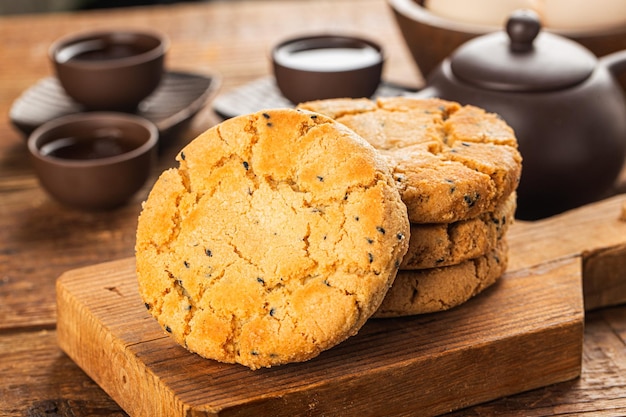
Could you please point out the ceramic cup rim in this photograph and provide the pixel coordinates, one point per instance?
(160, 49)
(151, 142)
(322, 37)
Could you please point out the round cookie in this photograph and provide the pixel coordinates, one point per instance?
(439, 289)
(276, 238)
(442, 244)
(450, 162)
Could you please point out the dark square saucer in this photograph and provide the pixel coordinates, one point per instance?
(179, 97)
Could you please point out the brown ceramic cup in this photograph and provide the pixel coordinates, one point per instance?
(95, 160)
(327, 66)
(110, 70)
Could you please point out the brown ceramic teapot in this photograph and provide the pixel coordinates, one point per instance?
(565, 105)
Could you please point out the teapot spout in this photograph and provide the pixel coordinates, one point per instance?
(614, 62)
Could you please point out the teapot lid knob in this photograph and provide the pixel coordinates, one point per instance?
(522, 58)
(523, 26)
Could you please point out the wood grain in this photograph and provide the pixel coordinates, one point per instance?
(600, 391)
(50, 383)
(595, 233)
(470, 354)
(38, 379)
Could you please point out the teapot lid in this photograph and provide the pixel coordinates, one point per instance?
(523, 58)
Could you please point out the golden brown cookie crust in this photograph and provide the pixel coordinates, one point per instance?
(276, 238)
(442, 244)
(450, 162)
(439, 289)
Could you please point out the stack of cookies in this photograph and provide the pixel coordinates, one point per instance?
(280, 233)
(457, 169)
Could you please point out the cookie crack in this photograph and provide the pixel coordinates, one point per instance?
(175, 219)
(157, 306)
(307, 243)
(230, 344)
(183, 173)
(178, 285)
(231, 243)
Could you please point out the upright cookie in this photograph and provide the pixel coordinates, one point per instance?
(439, 289)
(276, 238)
(450, 162)
(442, 244)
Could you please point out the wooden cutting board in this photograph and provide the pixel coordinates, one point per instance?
(523, 333)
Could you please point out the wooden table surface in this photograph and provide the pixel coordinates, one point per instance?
(40, 239)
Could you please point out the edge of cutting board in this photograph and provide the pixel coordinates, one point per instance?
(596, 233)
(524, 332)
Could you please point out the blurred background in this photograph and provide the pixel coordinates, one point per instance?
(8, 7)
